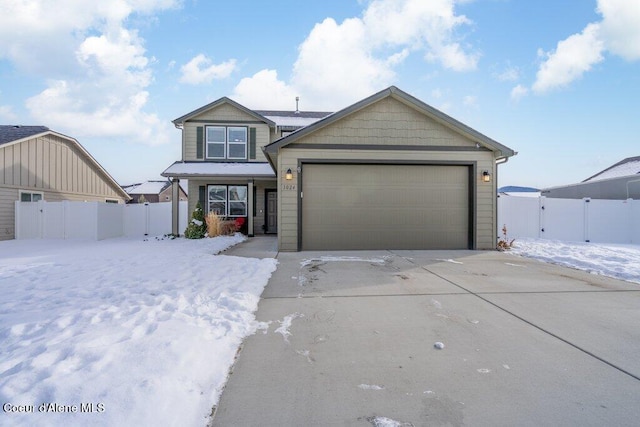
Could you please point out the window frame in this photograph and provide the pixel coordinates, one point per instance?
(236, 143)
(227, 202)
(223, 143)
(227, 143)
(31, 194)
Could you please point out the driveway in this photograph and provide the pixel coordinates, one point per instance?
(350, 342)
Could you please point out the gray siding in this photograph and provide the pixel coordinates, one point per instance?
(363, 129)
(224, 114)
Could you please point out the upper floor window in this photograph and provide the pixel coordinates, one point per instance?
(226, 142)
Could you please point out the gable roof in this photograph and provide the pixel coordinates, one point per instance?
(627, 167)
(10, 133)
(404, 97)
(224, 100)
(23, 133)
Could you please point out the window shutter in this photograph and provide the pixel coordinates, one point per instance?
(202, 194)
(252, 143)
(199, 142)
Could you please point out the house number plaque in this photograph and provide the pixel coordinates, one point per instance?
(288, 186)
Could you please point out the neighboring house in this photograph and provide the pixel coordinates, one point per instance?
(37, 163)
(618, 182)
(388, 172)
(152, 192)
(513, 190)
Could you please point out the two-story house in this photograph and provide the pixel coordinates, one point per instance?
(388, 172)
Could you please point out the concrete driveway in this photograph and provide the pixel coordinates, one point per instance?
(351, 337)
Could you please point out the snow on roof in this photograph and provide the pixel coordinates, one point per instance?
(627, 167)
(293, 118)
(219, 169)
(149, 187)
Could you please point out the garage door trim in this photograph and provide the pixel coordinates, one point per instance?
(472, 165)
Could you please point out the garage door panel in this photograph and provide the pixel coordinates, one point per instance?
(385, 207)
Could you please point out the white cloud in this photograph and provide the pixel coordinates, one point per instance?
(470, 101)
(202, 70)
(264, 91)
(572, 58)
(519, 92)
(620, 27)
(618, 33)
(100, 66)
(340, 63)
(510, 74)
(7, 115)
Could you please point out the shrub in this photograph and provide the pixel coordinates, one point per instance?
(228, 228)
(196, 228)
(213, 224)
(504, 244)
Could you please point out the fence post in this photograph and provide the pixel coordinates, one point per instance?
(41, 211)
(147, 218)
(587, 201)
(541, 221)
(17, 223)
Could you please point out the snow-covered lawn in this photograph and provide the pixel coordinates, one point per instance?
(139, 332)
(619, 261)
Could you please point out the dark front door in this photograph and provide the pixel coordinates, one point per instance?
(272, 211)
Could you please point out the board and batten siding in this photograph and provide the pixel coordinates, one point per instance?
(50, 165)
(223, 115)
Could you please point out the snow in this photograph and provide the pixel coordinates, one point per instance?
(371, 387)
(331, 258)
(220, 169)
(626, 169)
(149, 187)
(285, 324)
(613, 260)
(145, 330)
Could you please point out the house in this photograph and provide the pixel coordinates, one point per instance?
(152, 192)
(388, 172)
(514, 190)
(37, 163)
(618, 182)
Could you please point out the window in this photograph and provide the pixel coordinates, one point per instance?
(30, 197)
(226, 142)
(228, 200)
(216, 142)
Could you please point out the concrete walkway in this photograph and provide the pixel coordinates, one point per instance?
(351, 341)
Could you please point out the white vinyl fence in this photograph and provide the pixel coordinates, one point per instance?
(94, 220)
(576, 220)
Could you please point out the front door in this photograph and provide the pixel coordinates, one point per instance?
(272, 211)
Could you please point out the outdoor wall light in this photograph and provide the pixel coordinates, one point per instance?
(486, 176)
(289, 175)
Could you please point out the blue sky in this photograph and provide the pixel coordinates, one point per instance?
(557, 81)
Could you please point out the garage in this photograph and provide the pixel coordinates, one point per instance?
(386, 206)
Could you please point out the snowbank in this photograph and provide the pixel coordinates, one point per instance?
(127, 332)
(618, 261)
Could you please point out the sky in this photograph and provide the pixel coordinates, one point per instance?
(557, 81)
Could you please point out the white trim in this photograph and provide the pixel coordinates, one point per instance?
(223, 142)
(21, 192)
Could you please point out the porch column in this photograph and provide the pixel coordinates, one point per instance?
(250, 208)
(175, 206)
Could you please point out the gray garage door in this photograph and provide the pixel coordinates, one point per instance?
(359, 206)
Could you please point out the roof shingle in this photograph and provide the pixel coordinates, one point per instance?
(10, 133)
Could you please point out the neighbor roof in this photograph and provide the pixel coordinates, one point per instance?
(403, 97)
(148, 187)
(627, 167)
(15, 134)
(293, 119)
(10, 133)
